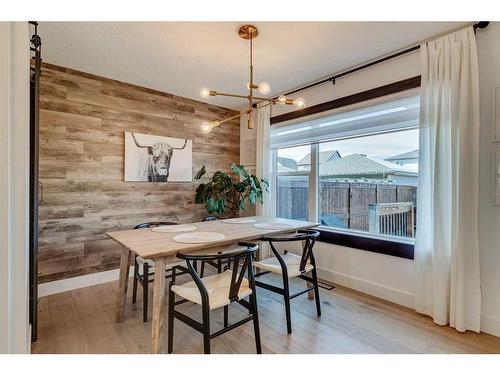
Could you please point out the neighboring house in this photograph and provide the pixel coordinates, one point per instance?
(324, 157)
(405, 158)
(360, 167)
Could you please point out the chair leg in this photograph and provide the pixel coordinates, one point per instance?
(171, 304)
(202, 270)
(134, 288)
(145, 292)
(286, 297)
(316, 292)
(256, 327)
(226, 316)
(206, 329)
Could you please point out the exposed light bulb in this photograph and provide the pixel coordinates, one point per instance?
(299, 102)
(206, 127)
(282, 99)
(205, 93)
(264, 88)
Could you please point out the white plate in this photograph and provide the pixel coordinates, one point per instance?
(173, 228)
(272, 226)
(239, 221)
(199, 237)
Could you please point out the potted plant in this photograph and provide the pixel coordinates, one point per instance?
(226, 193)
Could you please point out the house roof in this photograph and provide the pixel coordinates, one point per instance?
(287, 162)
(404, 156)
(282, 168)
(357, 165)
(324, 156)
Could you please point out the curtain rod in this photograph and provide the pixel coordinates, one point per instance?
(477, 25)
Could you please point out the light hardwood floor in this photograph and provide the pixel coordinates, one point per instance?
(82, 321)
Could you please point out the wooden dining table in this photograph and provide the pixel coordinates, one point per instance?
(162, 249)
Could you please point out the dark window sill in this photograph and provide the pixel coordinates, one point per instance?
(375, 245)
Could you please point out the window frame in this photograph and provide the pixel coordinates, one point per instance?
(387, 245)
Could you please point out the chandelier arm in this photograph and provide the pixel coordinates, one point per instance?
(240, 96)
(231, 118)
(248, 111)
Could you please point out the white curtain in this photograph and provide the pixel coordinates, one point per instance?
(262, 123)
(447, 245)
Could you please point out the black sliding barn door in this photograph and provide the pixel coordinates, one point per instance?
(36, 61)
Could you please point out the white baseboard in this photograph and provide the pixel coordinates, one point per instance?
(490, 324)
(381, 291)
(60, 286)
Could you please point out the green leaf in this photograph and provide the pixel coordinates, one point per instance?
(221, 207)
(252, 197)
(200, 173)
(240, 171)
(240, 187)
(263, 181)
(222, 181)
(242, 205)
(211, 206)
(200, 194)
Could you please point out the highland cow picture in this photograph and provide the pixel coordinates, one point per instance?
(153, 158)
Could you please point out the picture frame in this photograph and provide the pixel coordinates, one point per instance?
(495, 132)
(495, 176)
(155, 158)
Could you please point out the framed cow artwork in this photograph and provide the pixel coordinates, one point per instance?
(153, 158)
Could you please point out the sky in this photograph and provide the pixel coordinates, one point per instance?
(379, 146)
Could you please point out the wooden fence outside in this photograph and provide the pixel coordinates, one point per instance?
(346, 202)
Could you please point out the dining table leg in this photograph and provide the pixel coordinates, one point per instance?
(310, 293)
(121, 292)
(158, 305)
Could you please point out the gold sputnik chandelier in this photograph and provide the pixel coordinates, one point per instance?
(249, 32)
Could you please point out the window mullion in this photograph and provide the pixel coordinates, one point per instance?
(273, 183)
(313, 183)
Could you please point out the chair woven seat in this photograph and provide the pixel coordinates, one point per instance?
(217, 287)
(292, 262)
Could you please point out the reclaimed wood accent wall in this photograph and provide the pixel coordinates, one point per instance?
(82, 123)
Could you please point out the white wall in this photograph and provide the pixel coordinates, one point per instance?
(393, 278)
(14, 157)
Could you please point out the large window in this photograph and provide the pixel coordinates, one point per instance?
(354, 171)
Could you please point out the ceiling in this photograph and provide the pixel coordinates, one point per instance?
(183, 57)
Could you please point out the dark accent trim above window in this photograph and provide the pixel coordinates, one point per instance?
(374, 93)
(375, 245)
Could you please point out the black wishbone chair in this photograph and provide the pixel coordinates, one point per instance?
(215, 291)
(290, 265)
(144, 271)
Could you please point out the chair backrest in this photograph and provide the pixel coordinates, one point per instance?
(152, 224)
(234, 258)
(308, 238)
(209, 218)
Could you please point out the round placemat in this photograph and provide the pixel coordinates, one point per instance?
(271, 226)
(173, 228)
(241, 220)
(199, 237)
